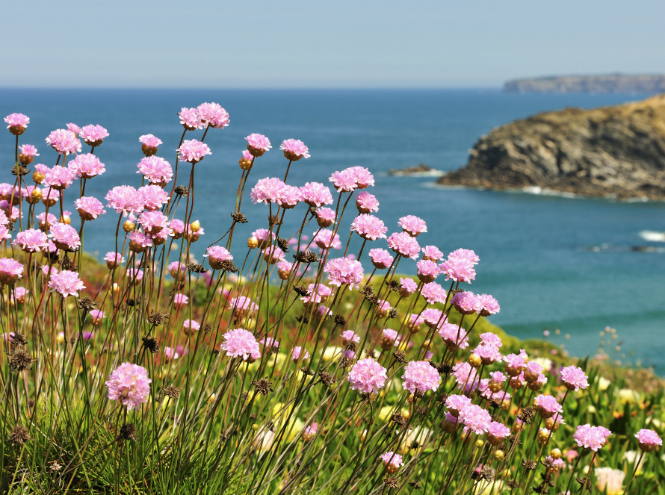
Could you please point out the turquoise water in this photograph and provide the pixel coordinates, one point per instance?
(550, 261)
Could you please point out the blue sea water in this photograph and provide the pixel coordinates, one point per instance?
(550, 261)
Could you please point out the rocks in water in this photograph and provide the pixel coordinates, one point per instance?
(612, 151)
(421, 170)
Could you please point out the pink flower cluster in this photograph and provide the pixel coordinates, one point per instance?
(420, 377)
(93, 134)
(366, 202)
(574, 378)
(369, 227)
(193, 151)
(460, 265)
(412, 225)
(316, 194)
(381, 258)
(367, 376)
(352, 178)
(240, 343)
(591, 437)
(87, 166)
(213, 115)
(155, 169)
(64, 142)
(344, 271)
(129, 384)
(294, 149)
(404, 245)
(257, 144)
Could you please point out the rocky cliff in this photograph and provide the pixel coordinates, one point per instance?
(613, 83)
(613, 151)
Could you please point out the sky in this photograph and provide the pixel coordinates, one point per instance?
(323, 44)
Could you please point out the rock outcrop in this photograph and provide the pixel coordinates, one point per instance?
(612, 151)
(612, 83)
(421, 170)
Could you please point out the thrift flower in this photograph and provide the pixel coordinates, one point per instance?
(367, 376)
(294, 149)
(129, 384)
(240, 343)
(419, 377)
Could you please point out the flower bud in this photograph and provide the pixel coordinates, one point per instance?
(479, 443)
(245, 164)
(128, 226)
(543, 436)
(195, 226)
(499, 455)
(555, 453)
(475, 360)
(25, 159)
(35, 196)
(66, 219)
(252, 243)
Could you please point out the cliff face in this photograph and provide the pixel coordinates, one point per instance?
(615, 83)
(613, 151)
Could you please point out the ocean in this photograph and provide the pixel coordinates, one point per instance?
(552, 262)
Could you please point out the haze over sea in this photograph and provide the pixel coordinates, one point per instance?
(550, 261)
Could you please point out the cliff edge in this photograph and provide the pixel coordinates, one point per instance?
(611, 83)
(612, 151)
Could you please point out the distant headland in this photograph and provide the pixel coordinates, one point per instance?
(610, 83)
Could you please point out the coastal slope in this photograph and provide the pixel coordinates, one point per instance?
(612, 83)
(611, 151)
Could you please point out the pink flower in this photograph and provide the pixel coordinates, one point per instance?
(648, 440)
(309, 432)
(28, 150)
(408, 287)
(369, 227)
(18, 295)
(433, 317)
(139, 241)
(344, 181)
(242, 306)
(344, 271)
(532, 371)
(214, 115)
(17, 123)
(516, 363)
(466, 377)
(490, 306)
(153, 221)
(180, 300)
(325, 217)
(4, 233)
(191, 326)
(66, 283)
(124, 199)
(257, 144)
(454, 336)
(10, 271)
(326, 239)
(240, 343)
(434, 293)
(419, 377)
(216, 255)
(316, 194)
(114, 259)
(367, 376)
(152, 197)
(366, 202)
(363, 177)
(547, 406)
(432, 253)
(135, 275)
(381, 258)
(284, 269)
(273, 254)
(264, 236)
(475, 418)
(455, 403)
(466, 303)
(591, 437)
(86, 166)
(460, 266)
(59, 177)
(89, 208)
(64, 142)
(150, 141)
(31, 240)
(267, 190)
(155, 169)
(193, 151)
(427, 270)
(391, 461)
(289, 197)
(412, 225)
(74, 128)
(270, 343)
(317, 294)
(294, 149)
(488, 353)
(491, 338)
(574, 378)
(190, 119)
(389, 335)
(93, 135)
(404, 245)
(496, 432)
(349, 336)
(129, 384)
(297, 352)
(65, 236)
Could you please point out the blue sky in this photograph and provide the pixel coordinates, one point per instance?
(315, 43)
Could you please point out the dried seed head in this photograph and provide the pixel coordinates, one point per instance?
(339, 320)
(326, 378)
(302, 318)
(391, 482)
(398, 419)
(274, 220)
(157, 318)
(20, 360)
(263, 386)
(301, 290)
(196, 268)
(171, 392)
(86, 303)
(151, 344)
(527, 415)
(487, 473)
(530, 465)
(127, 432)
(367, 290)
(19, 435)
(394, 286)
(393, 313)
(283, 244)
(181, 191)
(207, 328)
(19, 339)
(239, 217)
(400, 356)
(55, 467)
(311, 257)
(228, 266)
